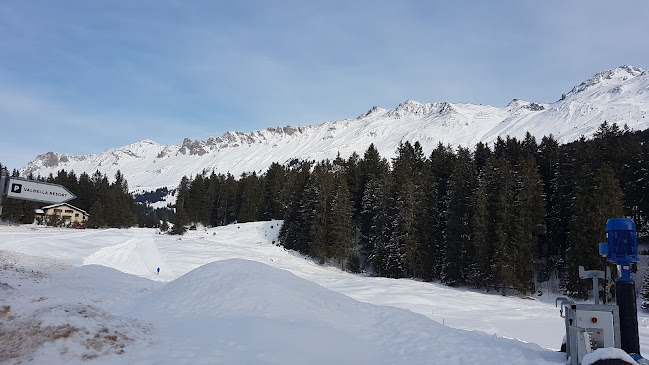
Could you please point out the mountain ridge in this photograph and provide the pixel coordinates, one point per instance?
(620, 95)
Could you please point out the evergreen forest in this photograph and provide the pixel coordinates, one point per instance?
(502, 217)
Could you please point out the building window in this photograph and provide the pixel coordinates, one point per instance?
(57, 210)
(76, 214)
(68, 211)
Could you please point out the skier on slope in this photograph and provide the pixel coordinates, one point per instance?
(158, 271)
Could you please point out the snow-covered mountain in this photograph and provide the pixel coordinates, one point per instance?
(618, 96)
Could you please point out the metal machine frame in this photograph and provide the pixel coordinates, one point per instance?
(589, 327)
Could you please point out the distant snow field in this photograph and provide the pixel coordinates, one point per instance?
(228, 295)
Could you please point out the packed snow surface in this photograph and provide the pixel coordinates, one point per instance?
(228, 295)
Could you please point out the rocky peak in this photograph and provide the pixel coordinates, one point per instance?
(196, 147)
(616, 75)
(376, 110)
(411, 107)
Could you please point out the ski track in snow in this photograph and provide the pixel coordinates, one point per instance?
(137, 256)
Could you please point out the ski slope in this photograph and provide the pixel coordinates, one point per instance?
(229, 295)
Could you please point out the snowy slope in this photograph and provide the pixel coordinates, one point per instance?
(617, 96)
(234, 298)
(229, 296)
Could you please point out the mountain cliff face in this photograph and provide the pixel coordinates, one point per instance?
(618, 96)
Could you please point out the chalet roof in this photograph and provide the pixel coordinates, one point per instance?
(65, 204)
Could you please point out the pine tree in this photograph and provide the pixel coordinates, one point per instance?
(97, 216)
(377, 211)
(598, 198)
(295, 231)
(405, 231)
(482, 238)
(354, 182)
(86, 194)
(459, 260)
(373, 171)
(408, 192)
(225, 206)
(529, 218)
(529, 146)
(196, 202)
(180, 222)
(276, 192)
(181, 219)
(341, 232)
(502, 193)
(251, 198)
(548, 160)
(481, 155)
(426, 221)
(442, 160)
(322, 184)
(122, 213)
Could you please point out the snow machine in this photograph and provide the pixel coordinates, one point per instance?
(604, 334)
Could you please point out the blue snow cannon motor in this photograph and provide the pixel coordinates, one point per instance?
(621, 248)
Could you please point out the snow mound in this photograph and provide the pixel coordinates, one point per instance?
(240, 311)
(51, 313)
(218, 289)
(607, 353)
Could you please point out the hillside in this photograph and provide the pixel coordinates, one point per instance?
(617, 96)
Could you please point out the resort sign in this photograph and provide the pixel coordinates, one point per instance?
(24, 189)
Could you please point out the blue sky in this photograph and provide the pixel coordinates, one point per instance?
(80, 77)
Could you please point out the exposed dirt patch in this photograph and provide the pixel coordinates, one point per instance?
(33, 325)
(20, 340)
(104, 334)
(4, 310)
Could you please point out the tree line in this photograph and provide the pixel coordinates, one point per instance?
(501, 217)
